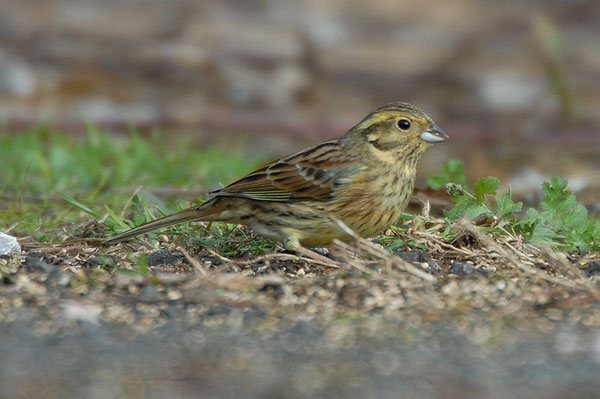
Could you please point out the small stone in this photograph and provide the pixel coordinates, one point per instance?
(174, 295)
(432, 267)
(35, 262)
(592, 268)
(77, 311)
(419, 258)
(57, 278)
(9, 245)
(219, 309)
(416, 256)
(162, 257)
(554, 314)
(7, 280)
(163, 238)
(461, 268)
(104, 261)
(150, 292)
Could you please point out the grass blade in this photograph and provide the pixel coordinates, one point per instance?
(79, 205)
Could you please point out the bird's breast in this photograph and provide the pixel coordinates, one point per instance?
(374, 201)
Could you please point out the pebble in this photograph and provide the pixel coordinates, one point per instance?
(57, 279)
(36, 262)
(161, 257)
(9, 245)
(592, 268)
(461, 268)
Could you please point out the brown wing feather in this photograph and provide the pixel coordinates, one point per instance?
(310, 173)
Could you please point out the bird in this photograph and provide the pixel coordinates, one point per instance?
(364, 179)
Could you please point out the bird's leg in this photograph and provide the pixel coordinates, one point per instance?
(316, 256)
(294, 245)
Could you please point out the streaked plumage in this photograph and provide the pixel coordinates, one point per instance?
(364, 179)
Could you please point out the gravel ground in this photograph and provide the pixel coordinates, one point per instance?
(466, 320)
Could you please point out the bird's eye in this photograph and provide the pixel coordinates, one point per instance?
(403, 124)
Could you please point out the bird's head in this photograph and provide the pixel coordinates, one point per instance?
(393, 131)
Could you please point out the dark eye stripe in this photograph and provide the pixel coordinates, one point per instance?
(385, 146)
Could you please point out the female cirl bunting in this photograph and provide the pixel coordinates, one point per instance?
(363, 178)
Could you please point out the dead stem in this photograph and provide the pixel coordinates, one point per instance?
(381, 254)
(195, 264)
(519, 259)
(275, 256)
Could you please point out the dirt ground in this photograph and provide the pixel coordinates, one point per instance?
(474, 317)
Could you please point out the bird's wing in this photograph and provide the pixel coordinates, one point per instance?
(313, 173)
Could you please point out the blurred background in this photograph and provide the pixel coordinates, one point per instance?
(515, 84)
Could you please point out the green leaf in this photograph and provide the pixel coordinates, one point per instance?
(453, 171)
(138, 220)
(436, 182)
(39, 236)
(562, 221)
(558, 183)
(118, 220)
(79, 205)
(505, 206)
(392, 243)
(475, 210)
(485, 185)
(143, 265)
(462, 204)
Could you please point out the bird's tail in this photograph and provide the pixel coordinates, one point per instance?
(202, 212)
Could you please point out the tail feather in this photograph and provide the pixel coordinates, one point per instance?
(188, 215)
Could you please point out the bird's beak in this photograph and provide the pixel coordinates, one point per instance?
(434, 134)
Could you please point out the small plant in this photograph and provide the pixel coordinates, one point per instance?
(453, 171)
(559, 220)
(474, 204)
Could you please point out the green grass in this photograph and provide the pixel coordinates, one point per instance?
(50, 178)
(52, 181)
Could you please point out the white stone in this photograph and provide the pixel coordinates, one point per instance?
(9, 245)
